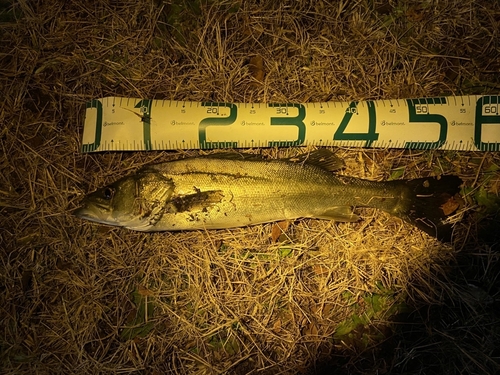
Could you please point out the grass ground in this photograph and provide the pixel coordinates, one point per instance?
(376, 296)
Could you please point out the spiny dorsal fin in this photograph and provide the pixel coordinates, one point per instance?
(233, 155)
(322, 158)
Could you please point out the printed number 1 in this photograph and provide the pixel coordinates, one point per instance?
(145, 107)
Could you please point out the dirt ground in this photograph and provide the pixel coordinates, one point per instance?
(376, 296)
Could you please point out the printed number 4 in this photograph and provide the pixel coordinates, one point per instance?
(369, 137)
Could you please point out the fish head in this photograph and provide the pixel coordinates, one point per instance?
(135, 202)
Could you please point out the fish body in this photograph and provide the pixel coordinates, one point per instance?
(220, 192)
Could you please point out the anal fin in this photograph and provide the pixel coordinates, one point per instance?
(339, 213)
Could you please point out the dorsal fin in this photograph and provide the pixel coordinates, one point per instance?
(322, 158)
(232, 155)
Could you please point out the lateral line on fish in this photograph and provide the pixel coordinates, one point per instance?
(151, 199)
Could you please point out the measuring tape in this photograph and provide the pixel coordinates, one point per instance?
(448, 123)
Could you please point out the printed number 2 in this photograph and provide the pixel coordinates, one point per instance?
(213, 108)
(419, 112)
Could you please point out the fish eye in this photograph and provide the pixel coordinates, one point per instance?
(108, 193)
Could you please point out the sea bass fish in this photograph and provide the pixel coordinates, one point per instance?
(215, 192)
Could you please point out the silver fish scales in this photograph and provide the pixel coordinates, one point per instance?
(217, 192)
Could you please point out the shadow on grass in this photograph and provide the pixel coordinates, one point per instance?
(461, 334)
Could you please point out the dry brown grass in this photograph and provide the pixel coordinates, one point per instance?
(83, 298)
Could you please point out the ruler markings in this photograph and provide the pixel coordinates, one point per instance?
(452, 123)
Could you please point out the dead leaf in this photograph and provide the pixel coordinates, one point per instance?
(143, 291)
(278, 229)
(320, 270)
(277, 326)
(450, 206)
(256, 66)
(327, 309)
(311, 330)
(416, 14)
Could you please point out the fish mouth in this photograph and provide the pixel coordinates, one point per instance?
(83, 213)
(90, 213)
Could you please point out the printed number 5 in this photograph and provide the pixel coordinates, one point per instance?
(419, 112)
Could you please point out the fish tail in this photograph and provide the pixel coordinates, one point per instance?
(432, 201)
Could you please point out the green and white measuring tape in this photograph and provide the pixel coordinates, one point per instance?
(449, 123)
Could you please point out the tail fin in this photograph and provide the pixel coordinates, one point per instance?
(432, 201)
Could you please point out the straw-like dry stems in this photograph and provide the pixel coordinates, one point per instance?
(83, 298)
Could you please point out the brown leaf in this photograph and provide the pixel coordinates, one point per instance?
(320, 270)
(256, 66)
(450, 206)
(143, 291)
(416, 14)
(327, 309)
(277, 326)
(278, 229)
(311, 329)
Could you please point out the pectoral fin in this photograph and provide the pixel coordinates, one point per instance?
(340, 213)
(198, 201)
